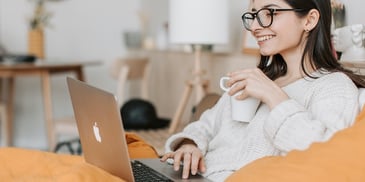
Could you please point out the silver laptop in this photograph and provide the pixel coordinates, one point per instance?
(103, 137)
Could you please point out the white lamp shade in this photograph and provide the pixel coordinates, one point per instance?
(198, 21)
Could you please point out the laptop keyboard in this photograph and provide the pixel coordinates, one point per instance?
(143, 173)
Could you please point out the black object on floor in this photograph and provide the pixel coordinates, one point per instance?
(141, 114)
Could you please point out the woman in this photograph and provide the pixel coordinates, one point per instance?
(306, 96)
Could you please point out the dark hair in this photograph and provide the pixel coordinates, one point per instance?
(318, 47)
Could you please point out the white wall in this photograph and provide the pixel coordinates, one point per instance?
(354, 11)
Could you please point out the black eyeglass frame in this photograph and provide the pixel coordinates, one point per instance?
(271, 10)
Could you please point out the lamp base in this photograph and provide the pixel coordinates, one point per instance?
(204, 48)
(202, 85)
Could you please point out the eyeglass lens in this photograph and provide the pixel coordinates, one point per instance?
(263, 16)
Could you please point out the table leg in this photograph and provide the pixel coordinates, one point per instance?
(80, 74)
(47, 104)
(9, 111)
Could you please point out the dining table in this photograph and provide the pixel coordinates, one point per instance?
(44, 69)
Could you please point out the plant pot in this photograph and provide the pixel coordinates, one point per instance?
(36, 43)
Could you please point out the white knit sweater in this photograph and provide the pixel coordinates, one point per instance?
(317, 108)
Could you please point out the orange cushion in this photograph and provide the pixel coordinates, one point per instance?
(138, 148)
(18, 164)
(340, 159)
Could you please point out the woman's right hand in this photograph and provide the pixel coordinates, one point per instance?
(254, 83)
(190, 155)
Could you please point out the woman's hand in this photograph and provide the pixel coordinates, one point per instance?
(254, 83)
(190, 155)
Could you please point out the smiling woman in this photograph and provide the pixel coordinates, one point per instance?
(297, 81)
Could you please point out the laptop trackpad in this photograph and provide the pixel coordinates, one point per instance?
(168, 170)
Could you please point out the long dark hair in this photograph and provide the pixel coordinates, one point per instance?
(318, 47)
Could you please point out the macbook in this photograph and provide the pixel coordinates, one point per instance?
(103, 138)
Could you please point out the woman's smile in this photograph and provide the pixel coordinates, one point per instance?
(264, 38)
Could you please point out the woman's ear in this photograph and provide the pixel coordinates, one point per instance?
(311, 20)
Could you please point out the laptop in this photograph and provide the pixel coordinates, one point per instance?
(103, 138)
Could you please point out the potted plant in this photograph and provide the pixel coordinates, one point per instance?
(37, 22)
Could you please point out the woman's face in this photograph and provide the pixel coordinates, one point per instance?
(286, 33)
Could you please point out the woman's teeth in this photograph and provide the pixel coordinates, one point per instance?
(263, 38)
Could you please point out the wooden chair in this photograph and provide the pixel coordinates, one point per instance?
(130, 69)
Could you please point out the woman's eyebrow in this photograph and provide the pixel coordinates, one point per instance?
(266, 6)
(271, 5)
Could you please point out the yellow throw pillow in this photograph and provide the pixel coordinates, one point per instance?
(138, 148)
(340, 159)
(18, 164)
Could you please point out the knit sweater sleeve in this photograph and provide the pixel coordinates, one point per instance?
(332, 106)
(201, 131)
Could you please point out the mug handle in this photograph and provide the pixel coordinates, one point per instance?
(222, 82)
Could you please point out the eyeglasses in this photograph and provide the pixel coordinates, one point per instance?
(264, 17)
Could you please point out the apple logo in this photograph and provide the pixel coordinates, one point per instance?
(96, 132)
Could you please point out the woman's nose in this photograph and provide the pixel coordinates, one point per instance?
(255, 25)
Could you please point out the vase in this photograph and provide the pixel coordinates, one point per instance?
(36, 43)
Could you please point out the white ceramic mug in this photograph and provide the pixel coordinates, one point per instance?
(242, 110)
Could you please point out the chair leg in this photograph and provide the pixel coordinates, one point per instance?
(68, 144)
(4, 126)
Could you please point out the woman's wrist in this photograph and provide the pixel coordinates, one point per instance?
(275, 100)
(185, 142)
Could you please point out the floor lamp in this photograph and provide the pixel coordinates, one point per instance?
(196, 23)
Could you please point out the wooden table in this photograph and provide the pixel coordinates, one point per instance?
(44, 70)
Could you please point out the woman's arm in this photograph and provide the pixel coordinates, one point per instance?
(201, 131)
(190, 145)
(333, 106)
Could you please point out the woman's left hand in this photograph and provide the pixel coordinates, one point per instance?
(254, 83)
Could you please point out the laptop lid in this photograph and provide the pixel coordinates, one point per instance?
(101, 132)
